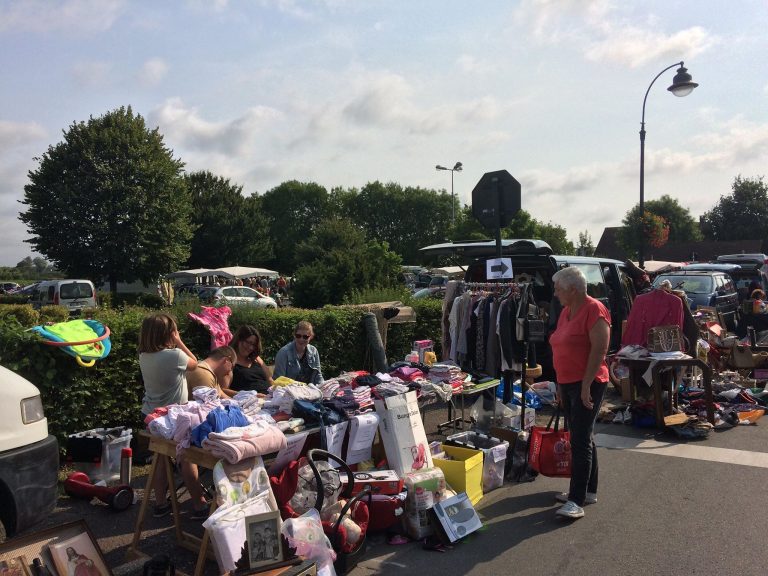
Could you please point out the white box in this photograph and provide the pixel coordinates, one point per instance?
(402, 433)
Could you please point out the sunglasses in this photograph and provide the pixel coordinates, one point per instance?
(302, 336)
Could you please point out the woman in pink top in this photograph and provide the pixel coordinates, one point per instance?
(579, 344)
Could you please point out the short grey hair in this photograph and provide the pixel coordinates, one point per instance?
(571, 277)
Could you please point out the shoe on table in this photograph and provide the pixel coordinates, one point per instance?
(570, 510)
(591, 498)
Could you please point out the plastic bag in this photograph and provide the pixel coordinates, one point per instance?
(306, 535)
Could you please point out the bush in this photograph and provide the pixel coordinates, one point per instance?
(13, 299)
(23, 313)
(110, 393)
(53, 314)
(151, 301)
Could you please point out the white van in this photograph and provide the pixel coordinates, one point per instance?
(73, 294)
(29, 456)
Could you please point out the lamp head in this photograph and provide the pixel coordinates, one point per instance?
(458, 167)
(682, 84)
(438, 167)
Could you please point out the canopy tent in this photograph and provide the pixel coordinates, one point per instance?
(452, 271)
(658, 266)
(228, 272)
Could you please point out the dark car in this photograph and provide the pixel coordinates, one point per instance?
(533, 261)
(706, 288)
(422, 280)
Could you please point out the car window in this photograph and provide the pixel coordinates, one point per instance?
(595, 283)
(246, 293)
(206, 292)
(75, 290)
(728, 284)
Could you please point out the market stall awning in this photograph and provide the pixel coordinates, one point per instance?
(189, 273)
(244, 272)
(227, 272)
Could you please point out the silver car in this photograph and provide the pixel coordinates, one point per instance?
(236, 296)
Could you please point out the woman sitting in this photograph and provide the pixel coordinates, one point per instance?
(299, 360)
(249, 372)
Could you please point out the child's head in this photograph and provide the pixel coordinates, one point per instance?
(156, 333)
(758, 294)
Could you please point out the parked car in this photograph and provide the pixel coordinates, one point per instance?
(436, 292)
(236, 296)
(8, 287)
(752, 273)
(438, 281)
(422, 280)
(29, 457)
(74, 295)
(533, 261)
(408, 279)
(706, 288)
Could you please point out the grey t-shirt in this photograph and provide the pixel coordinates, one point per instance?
(165, 379)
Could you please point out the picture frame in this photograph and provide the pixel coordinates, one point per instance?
(265, 544)
(78, 555)
(15, 566)
(35, 547)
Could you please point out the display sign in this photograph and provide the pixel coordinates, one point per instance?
(497, 268)
(496, 199)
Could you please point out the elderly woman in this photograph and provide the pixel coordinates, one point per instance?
(299, 360)
(579, 344)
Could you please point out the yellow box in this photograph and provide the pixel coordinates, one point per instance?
(465, 472)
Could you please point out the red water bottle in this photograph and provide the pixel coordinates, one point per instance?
(126, 461)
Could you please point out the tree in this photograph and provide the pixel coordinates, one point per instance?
(743, 215)
(293, 210)
(524, 226)
(405, 218)
(230, 229)
(338, 259)
(665, 220)
(585, 246)
(109, 202)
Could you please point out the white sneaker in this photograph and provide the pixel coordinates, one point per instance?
(570, 510)
(618, 418)
(591, 498)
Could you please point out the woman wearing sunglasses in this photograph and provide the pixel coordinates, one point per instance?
(299, 360)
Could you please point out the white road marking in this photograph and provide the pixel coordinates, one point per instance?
(694, 452)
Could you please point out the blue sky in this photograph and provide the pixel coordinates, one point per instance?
(344, 92)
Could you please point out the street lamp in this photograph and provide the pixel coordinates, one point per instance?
(457, 168)
(682, 85)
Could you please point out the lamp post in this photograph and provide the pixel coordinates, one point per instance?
(682, 85)
(456, 168)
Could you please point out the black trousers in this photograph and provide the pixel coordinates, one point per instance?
(581, 423)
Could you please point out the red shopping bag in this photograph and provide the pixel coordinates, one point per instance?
(550, 449)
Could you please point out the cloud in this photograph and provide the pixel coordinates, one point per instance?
(635, 46)
(471, 65)
(69, 15)
(387, 100)
(153, 71)
(184, 127)
(17, 134)
(92, 73)
(598, 29)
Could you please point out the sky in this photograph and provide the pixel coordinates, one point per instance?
(346, 92)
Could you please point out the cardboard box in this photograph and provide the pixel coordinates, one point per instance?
(464, 473)
(402, 432)
(380, 481)
(455, 518)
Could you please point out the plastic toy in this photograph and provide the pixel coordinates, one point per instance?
(86, 340)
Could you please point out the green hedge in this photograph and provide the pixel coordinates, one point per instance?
(110, 393)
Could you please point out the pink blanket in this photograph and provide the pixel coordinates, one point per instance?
(237, 443)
